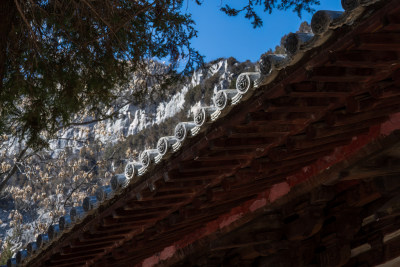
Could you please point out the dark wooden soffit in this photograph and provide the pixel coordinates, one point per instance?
(354, 221)
(339, 162)
(334, 92)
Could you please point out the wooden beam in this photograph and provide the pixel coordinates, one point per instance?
(225, 155)
(75, 263)
(98, 229)
(391, 23)
(70, 250)
(87, 237)
(109, 221)
(82, 245)
(341, 119)
(362, 58)
(307, 224)
(363, 194)
(264, 118)
(138, 212)
(263, 165)
(194, 166)
(384, 41)
(157, 203)
(273, 128)
(178, 176)
(245, 240)
(341, 74)
(171, 194)
(183, 185)
(302, 142)
(321, 130)
(71, 260)
(134, 216)
(358, 173)
(241, 143)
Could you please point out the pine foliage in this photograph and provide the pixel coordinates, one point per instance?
(65, 56)
(250, 9)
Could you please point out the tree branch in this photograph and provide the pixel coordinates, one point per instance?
(13, 169)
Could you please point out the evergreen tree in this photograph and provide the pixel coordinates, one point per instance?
(250, 12)
(59, 57)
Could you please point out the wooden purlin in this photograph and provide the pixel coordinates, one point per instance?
(271, 108)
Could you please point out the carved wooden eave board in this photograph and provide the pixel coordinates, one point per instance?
(263, 145)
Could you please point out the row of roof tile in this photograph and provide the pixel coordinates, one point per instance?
(267, 69)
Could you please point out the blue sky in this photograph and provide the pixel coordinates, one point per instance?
(223, 36)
